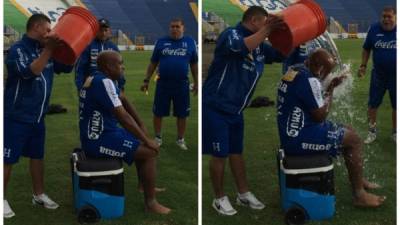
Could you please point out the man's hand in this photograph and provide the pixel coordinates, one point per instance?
(52, 41)
(336, 82)
(274, 22)
(144, 87)
(362, 70)
(152, 144)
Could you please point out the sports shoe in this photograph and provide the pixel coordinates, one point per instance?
(182, 144)
(370, 138)
(8, 212)
(248, 199)
(45, 201)
(223, 206)
(158, 140)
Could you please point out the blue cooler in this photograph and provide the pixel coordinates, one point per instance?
(98, 187)
(306, 187)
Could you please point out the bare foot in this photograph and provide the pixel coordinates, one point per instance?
(365, 199)
(140, 189)
(370, 185)
(155, 207)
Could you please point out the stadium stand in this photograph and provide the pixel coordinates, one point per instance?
(148, 18)
(361, 12)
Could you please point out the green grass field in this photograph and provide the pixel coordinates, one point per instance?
(177, 169)
(262, 141)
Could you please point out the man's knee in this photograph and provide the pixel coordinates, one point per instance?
(351, 138)
(143, 152)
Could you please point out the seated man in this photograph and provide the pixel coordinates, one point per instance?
(101, 108)
(304, 130)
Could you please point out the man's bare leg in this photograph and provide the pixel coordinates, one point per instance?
(140, 182)
(181, 126)
(372, 112)
(394, 120)
(7, 174)
(37, 173)
(239, 172)
(147, 171)
(217, 167)
(352, 154)
(157, 122)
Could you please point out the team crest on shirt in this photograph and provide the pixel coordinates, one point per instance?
(95, 126)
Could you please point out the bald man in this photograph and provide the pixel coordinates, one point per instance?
(304, 130)
(102, 107)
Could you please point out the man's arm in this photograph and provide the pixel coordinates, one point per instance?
(38, 65)
(130, 108)
(130, 124)
(319, 115)
(150, 70)
(273, 22)
(193, 69)
(364, 62)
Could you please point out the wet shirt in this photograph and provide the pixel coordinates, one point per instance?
(174, 57)
(383, 46)
(298, 94)
(26, 95)
(97, 98)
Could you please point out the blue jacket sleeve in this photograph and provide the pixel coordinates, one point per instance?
(155, 57)
(231, 42)
(18, 62)
(368, 43)
(194, 57)
(272, 55)
(81, 67)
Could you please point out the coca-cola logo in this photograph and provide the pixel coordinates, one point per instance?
(174, 52)
(386, 45)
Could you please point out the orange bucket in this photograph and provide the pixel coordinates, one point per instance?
(304, 21)
(77, 27)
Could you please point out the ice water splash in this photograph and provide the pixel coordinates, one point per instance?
(344, 111)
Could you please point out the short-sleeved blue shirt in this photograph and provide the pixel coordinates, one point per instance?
(96, 102)
(383, 46)
(299, 92)
(174, 57)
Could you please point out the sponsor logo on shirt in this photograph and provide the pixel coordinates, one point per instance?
(315, 147)
(111, 152)
(174, 52)
(386, 44)
(295, 122)
(95, 127)
(380, 35)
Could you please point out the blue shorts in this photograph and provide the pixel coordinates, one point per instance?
(327, 137)
(117, 144)
(26, 139)
(179, 95)
(378, 86)
(222, 133)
